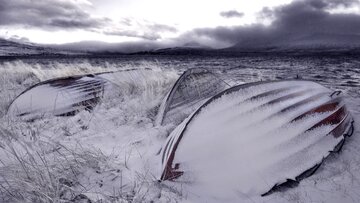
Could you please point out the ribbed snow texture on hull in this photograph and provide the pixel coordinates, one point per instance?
(252, 137)
(64, 96)
(70, 95)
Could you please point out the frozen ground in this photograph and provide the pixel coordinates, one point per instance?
(110, 154)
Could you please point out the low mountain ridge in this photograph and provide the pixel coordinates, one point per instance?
(316, 43)
(10, 48)
(310, 43)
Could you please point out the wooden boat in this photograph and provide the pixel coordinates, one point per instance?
(189, 92)
(255, 137)
(69, 95)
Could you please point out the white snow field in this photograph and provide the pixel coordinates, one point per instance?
(111, 154)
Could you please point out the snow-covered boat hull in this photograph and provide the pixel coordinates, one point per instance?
(60, 97)
(69, 95)
(254, 137)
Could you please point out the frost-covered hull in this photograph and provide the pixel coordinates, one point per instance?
(69, 95)
(60, 97)
(253, 137)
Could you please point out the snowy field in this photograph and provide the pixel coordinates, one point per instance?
(111, 153)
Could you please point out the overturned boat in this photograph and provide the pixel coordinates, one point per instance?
(189, 92)
(69, 95)
(252, 138)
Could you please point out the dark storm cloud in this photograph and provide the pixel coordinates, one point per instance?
(231, 14)
(312, 17)
(47, 14)
(60, 15)
(302, 21)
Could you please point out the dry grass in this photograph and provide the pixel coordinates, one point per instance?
(36, 166)
(43, 172)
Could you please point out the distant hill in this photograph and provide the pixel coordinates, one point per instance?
(190, 48)
(11, 48)
(312, 44)
(96, 47)
(309, 43)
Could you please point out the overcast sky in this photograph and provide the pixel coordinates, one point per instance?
(212, 22)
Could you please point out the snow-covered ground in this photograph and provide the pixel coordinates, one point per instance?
(111, 154)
